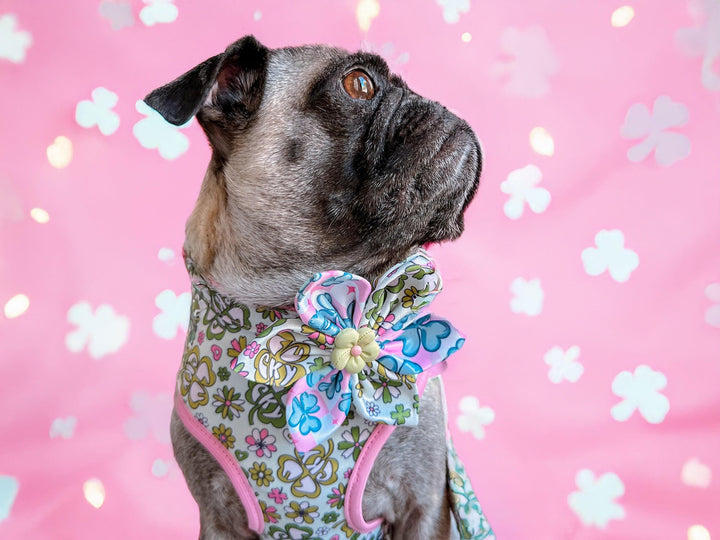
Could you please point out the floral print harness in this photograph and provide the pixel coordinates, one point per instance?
(295, 404)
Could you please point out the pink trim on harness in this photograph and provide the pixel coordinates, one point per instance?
(359, 478)
(366, 460)
(227, 461)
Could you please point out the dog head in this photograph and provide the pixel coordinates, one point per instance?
(321, 159)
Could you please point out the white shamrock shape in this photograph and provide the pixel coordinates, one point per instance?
(641, 391)
(154, 132)
(521, 185)
(704, 40)
(563, 364)
(527, 297)
(669, 146)
(97, 112)
(63, 427)
(174, 313)
(103, 331)
(474, 418)
(594, 503)
(531, 62)
(610, 254)
(161, 468)
(712, 314)
(13, 42)
(453, 8)
(158, 11)
(118, 13)
(152, 416)
(166, 255)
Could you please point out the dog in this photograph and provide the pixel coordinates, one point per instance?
(322, 159)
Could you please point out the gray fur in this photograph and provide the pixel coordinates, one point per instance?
(304, 179)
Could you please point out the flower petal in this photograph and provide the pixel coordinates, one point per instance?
(333, 300)
(424, 343)
(312, 414)
(391, 307)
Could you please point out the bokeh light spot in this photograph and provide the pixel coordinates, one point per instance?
(622, 16)
(16, 306)
(542, 142)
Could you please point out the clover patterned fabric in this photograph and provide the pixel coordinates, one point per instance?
(584, 403)
(239, 377)
(300, 495)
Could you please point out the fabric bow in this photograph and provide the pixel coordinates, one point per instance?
(379, 343)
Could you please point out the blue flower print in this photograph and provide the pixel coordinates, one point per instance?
(372, 408)
(400, 366)
(302, 409)
(332, 386)
(344, 405)
(455, 348)
(428, 334)
(327, 319)
(403, 321)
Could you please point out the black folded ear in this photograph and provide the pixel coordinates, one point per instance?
(224, 91)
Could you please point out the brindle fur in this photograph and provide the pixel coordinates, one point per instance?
(302, 179)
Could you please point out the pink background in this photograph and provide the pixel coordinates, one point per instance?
(564, 68)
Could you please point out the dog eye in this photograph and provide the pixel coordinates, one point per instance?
(358, 85)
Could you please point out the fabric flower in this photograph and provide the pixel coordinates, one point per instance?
(277, 495)
(261, 443)
(353, 442)
(224, 435)
(261, 474)
(301, 512)
(270, 513)
(228, 403)
(302, 417)
(351, 343)
(252, 349)
(366, 369)
(336, 498)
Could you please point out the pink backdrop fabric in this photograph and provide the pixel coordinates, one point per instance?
(585, 402)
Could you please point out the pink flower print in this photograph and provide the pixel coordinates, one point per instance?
(271, 514)
(201, 337)
(261, 443)
(235, 345)
(216, 352)
(337, 498)
(252, 349)
(260, 328)
(386, 324)
(348, 473)
(277, 495)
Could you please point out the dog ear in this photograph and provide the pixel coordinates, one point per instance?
(223, 91)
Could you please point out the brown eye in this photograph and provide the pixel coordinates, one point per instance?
(358, 85)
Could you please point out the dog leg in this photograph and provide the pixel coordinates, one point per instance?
(408, 483)
(222, 516)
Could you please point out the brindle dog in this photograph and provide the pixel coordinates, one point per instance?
(321, 159)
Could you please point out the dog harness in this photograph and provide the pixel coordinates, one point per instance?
(296, 403)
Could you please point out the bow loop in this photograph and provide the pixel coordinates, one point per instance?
(380, 345)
